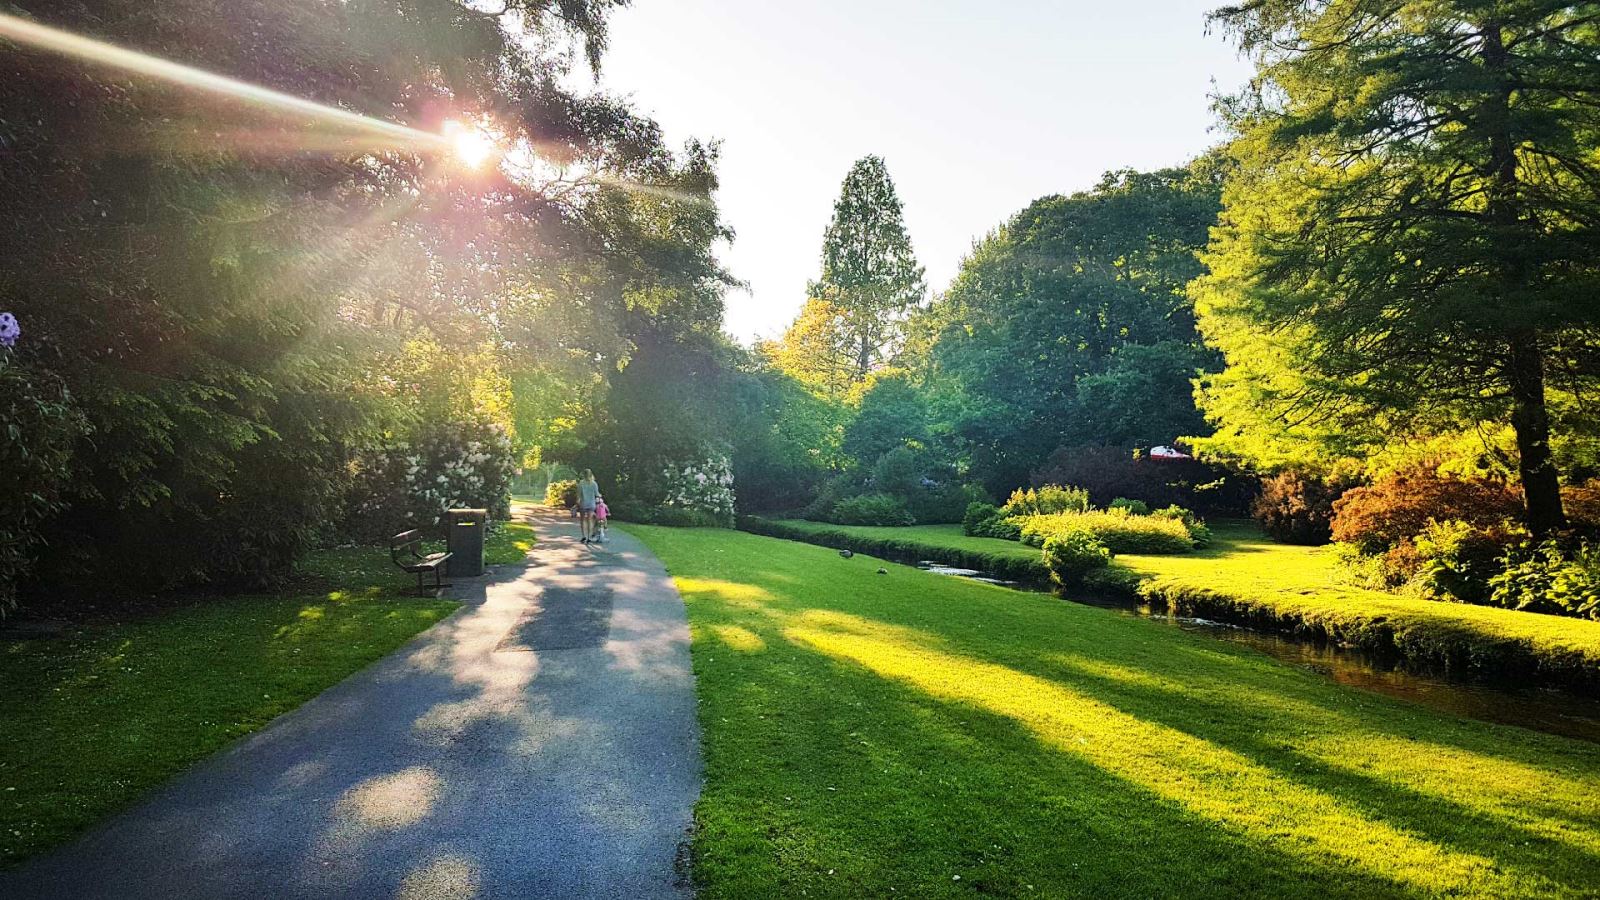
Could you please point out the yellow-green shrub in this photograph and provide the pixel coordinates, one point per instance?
(561, 494)
(1117, 529)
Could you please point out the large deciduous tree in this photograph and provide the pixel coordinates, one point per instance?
(1070, 326)
(869, 272)
(1411, 239)
(215, 296)
(815, 350)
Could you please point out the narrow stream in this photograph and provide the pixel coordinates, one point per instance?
(1551, 711)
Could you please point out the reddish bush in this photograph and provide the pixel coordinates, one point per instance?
(1111, 472)
(1294, 508)
(1398, 507)
(1582, 502)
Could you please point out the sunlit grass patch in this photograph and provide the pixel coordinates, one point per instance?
(896, 732)
(1245, 578)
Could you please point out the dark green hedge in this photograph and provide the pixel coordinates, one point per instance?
(1025, 571)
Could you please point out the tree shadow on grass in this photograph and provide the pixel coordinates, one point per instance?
(1339, 829)
(438, 772)
(1552, 851)
(825, 778)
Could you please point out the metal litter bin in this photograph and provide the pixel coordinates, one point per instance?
(463, 532)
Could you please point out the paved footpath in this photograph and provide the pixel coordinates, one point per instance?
(541, 742)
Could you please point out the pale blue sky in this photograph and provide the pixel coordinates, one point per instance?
(978, 108)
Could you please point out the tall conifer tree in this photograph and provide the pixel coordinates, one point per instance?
(869, 272)
(1411, 239)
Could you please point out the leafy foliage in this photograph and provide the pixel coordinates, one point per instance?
(1549, 577)
(1199, 532)
(1111, 472)
(41, 427)
(1297, 508)
(1413, 206)
(872, 509)
(891, 414)
(1075, 306)
(1073, 553)
(224, 305)
(1118, 530)
(870, 277)
(785, 440)
(561, 494)
(1045, 500)
(1396, 508)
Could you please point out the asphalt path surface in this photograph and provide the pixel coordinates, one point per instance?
(541, 742)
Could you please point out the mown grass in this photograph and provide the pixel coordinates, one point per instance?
(921, 736)
(937, 543)
(1245, 578)
(91, 720)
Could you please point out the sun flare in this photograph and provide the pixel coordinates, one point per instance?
(471, 145)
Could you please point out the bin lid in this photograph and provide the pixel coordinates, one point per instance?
(480, 513)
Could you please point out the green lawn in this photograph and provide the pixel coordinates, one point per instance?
(916, 735)
(947, 536)
(1246, 578)
(941, 543)
(94, 719)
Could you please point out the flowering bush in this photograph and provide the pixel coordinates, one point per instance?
(699, 492)
(445, 465)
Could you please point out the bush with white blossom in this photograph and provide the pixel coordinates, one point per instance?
(703, 490)
(446, 465)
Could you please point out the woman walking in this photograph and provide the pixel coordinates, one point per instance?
(588, 495)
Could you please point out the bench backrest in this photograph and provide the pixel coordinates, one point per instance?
(404, 540)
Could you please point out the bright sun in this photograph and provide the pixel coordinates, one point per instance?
(471, 145)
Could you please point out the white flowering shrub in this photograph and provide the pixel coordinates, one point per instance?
(446, 465)
(703, 490)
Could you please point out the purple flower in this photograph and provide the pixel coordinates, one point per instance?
(9, 330)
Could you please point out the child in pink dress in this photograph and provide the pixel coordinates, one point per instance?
(601, 513)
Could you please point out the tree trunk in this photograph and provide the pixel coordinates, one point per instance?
(1530, 417)
(1541, 486)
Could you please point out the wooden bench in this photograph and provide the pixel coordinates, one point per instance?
(403, 549)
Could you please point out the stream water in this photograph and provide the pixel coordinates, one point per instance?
(1555, 712)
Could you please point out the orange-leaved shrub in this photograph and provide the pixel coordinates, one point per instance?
(1399, 507)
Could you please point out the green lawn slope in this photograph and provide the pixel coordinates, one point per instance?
(1245, 578)
(922, 736)
(945, 544)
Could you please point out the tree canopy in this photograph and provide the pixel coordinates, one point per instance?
(228, 310)
(1411, 237)
(1071, 308)
(870, 275)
